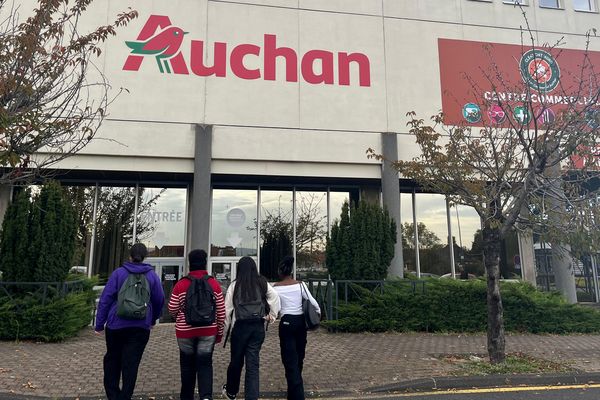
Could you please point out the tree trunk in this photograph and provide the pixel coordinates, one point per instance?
(495, 327)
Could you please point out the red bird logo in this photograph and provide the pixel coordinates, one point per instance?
(163, 45)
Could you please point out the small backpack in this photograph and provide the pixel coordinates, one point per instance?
(133, 297)
(200, 305)
(253, 310)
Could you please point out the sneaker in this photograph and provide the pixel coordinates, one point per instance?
(227, 395)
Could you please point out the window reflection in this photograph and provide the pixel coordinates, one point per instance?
(161, 221)
(276, 230)
(82, 199)
(434, 253)
(114, 228)
(311, 233)
(336, 200)
(468, 247)
(408, 238)
(234, 224)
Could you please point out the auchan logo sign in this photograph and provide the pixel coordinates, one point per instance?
(160, 40)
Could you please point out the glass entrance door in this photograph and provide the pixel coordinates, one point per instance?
(169, 270)
(224, 269)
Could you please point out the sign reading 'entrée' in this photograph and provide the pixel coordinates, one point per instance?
(477, 78)
(162, 41)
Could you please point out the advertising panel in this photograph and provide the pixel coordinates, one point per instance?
(492, 84)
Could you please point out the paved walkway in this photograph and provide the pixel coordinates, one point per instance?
(334, 362)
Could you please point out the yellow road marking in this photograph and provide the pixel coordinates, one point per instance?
(475, 391)
(503, 390)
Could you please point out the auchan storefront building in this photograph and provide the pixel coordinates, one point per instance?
(245, 124)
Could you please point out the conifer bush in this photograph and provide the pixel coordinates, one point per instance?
(361, 245)
(37, 243)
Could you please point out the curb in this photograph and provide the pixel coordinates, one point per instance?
(486, 381)
(415, 385)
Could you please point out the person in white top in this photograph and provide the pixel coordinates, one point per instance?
(292, 327)
(250, 301)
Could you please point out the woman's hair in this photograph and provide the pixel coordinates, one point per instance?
(138, 252)
(247, 281)
(286, 266)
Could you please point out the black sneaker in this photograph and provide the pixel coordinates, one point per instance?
(227, 395)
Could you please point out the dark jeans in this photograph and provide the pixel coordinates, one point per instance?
(246, 341)
(124, 349)
(292, 340)
(195, 359)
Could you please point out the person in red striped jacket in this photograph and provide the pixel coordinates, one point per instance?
(196, 344)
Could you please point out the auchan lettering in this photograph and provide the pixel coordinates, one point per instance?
(161, 40)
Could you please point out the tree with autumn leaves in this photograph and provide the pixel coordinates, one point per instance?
(52, 96)
(527, 172)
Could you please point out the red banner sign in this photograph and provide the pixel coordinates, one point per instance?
(491, 84)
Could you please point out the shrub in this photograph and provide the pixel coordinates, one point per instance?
(14, 240)
(53, 230)
(38, 238)
(460, 306)
(361, 245)
(60, 317)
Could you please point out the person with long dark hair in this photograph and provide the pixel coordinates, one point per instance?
(292, 326)
(250, 302)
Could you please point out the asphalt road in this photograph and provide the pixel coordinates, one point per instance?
(575, 392)
(572, 392)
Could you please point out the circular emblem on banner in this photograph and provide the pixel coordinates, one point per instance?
(236, 217)
(540, 70)
(522, 115)
(496, 114)
(471, 113)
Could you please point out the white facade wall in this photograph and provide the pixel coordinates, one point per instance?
(295, 128)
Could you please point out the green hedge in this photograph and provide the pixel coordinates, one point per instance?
(59, 318)
(460, 306)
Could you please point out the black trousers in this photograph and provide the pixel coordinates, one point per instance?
(246, 340)
(292, 341)
(195, 360)
(124, 349)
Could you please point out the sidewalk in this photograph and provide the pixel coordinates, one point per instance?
(335, 363)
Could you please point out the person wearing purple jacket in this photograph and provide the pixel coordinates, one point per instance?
(126, 339)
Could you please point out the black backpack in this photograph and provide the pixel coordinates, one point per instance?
(200, 305)
(253, 310)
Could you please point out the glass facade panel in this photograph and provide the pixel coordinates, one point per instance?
(114, 228)
(311, 234)
(408, 238)
(510, 264)
(276, 230)
(468, 247)
(432, 225)
(336, 201)
(162, 220)
(583, 5)
(549, 3)
(82, 199)
(234, 223)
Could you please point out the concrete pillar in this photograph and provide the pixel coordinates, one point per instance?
(527, 254)
(200, 204)
(562, 262)
(5, 198)
(390, 185)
